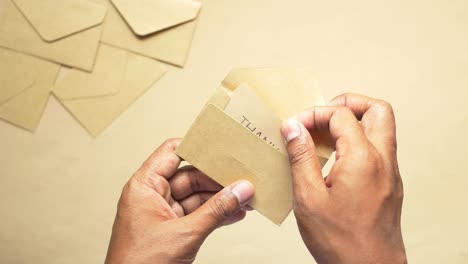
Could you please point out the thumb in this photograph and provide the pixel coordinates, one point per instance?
(222, 206)
(305, 165)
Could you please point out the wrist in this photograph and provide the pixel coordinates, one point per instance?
(393, 253)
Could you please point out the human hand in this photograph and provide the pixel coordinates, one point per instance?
(162, 216)
(353, 216)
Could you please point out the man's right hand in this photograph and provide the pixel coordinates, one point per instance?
(353, 216)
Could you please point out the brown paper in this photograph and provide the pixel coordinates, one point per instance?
(251, 112)
(219, 146)
(78, 50)
(25, 109)
(149, 16)
(171, 45)
(105, 79)
(17, 72)
(95, 114)
(56, 19)
(287, 91)
(225, 150)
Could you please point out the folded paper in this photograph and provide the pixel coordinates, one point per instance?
(171, 45)
(149, 16)
(25, 108)
(104, 80)
(17, 72)
(96, 113)
(287, 91)
(227, 151)
(56, 19)
(77, 50)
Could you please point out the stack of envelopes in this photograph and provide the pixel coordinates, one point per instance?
(112, 51)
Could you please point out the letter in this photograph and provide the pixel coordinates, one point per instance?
(248, 126)
(245, 119)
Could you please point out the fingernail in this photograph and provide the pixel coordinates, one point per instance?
(290, 130)
(243, 190)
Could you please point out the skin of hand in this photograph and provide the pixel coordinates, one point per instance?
(166, 212)
(353, 215)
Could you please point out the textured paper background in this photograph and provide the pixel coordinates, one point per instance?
(60, 186)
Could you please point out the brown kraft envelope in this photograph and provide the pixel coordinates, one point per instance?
(226, 151)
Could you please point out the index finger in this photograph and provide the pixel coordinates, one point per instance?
(377, 119)
(163, 162)
(342, 125)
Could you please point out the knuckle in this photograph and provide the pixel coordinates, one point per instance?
(200, 200)
(392, 186)
(300, 153)
(387, 191)
(343, 112)
(170, 141)
(130, 186)
(146, 166)
(364, 154)
(345, 97)
(304, 208)
(342, 98)
(220, 209)
(194, 182)
(183, 182)
(301, 203)
(165, 212)
(126, 195)
(188, 232)
(162, 186)
(373, 155)
(170, 162)
(384, 107)
(400, 191)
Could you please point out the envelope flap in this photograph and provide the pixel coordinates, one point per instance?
(220, 98)
(56, 19)
(17, 73)
(97, 113)
(105, 79)
(149, 16)
(219, 146)
(287, 91)
(25, 109)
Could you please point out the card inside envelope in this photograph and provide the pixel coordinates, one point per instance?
(228, 152)
(225, 150)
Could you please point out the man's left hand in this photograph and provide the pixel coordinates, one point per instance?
(165, 213)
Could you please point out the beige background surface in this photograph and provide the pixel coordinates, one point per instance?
(59, 186)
